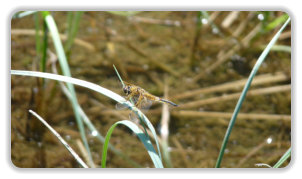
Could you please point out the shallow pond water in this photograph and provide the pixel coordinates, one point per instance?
(157, 50)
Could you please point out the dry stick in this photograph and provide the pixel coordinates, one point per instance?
(258, 80)
(221, 57)
(285, 35)
(243, 24)
(63, 37)
(246, 40)
(214, 15)
(84, 153)
(73, 153)
(208, 114)
(219, 99)
(152, 61)
(164, 130)
(227, 22)
(225, 56)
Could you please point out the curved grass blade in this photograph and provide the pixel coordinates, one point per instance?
(285, 156)
(91, 86)
(65, 69)
(244, 91)
(146, 141)
(73, 153)
(23, 14)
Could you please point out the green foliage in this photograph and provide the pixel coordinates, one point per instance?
(285, 156)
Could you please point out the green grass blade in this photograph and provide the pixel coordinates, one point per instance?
(102, 139)
(147, 143)
(44, 47)
(23, 14)
(285, 156)
(65, 69)
(278, 21)
(118, 75)
(279, 48)
(37, 35)
(146, 121)
(73, 153)
(244, 91)
(73, 26)
(74, 81)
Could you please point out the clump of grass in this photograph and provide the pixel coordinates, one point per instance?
(155, 156)
(51, 25)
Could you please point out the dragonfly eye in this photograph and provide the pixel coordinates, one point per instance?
(126, 90)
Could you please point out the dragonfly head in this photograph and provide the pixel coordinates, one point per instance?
(126, 90)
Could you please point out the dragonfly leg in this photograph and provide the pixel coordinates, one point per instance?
(139, 101)
(129, 97)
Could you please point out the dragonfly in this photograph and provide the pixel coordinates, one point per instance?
(140, 98)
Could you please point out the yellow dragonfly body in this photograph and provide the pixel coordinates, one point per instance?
(140, 97)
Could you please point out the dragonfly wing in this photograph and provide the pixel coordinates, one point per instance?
(133, 116)
(120, 106)
(145, 104)
(134, 99)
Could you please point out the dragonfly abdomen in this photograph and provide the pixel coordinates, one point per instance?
(166, 101)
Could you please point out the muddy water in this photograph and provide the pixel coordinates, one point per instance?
(152, 54)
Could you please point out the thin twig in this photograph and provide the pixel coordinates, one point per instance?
(85, 153)
(227, 97)
(263, 164)
(234, 85)
(243, 24)
(151, 60)
(73, 153)
(208, 114)
(251, 153)
(188, 114)
(32, 32)
(227, 22)
(226, 55)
